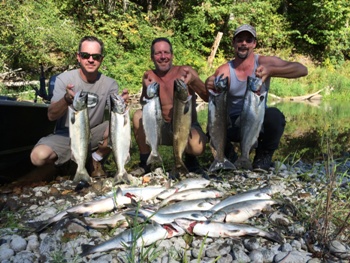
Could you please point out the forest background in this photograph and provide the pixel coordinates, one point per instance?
(313, 32)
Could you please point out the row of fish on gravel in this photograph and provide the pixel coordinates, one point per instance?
(191, 206)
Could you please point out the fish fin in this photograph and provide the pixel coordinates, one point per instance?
(39, 225)
(225, 165)
(154, 158)
(243, 163)
(82, 175)
(188, 105)
(178, 171)
(274, 236)
(86, 250)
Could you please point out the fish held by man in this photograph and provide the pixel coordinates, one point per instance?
(251, 119)
(217, 124)
(120, 134)
(79, 133)
(151, 121)
(182, 117)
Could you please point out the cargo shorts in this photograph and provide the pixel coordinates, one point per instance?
(167, 134)
(59, 142)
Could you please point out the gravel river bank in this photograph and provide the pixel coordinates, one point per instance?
(299, 217)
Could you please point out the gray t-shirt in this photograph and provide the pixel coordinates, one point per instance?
(98, 93)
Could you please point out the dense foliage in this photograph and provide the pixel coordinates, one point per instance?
(48, 32)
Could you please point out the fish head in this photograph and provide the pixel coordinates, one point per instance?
(152, 90)
(186, 224)
(220, 83)
(218, 216)
(180, 90)
(80, 100)
(256, 85)
(173, 230)
(118, 104)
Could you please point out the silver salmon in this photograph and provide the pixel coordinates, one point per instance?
(219, 229)
(188, 183)
(182, 118)
(192, 194)
(242, 211)
(169, 218)
(96, 206)
(260, 193)
(217, 124)
(79, 133)
(120, 134)
(151, 121)
(140, 193)
(251, 119)
(202, 204)
(141, 235)
(116, 220)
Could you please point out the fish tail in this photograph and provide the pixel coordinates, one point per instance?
(86, 250)
(244, 163)
(39, 226)
(154, 158)
(274, 236)
(218, 165)
(124, 177)
(82, 175)
(179, 170)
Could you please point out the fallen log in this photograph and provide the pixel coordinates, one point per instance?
(309, 97)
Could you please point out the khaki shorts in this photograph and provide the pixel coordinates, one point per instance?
(167, 135)
(60, 143)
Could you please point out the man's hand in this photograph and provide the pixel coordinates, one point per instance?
(125, 96)
(262, 72)
(186, 75)
(209, 83)
(147, 79)
(69, 96)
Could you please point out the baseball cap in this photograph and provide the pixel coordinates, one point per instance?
(247, 28)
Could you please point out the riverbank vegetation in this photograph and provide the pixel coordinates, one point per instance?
(48, 32)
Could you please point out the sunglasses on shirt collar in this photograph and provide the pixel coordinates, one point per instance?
(86, 55)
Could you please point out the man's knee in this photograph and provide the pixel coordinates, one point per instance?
(137, 119)
(273, 117)
(41, 155)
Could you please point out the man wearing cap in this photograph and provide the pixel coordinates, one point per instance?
(245, 63)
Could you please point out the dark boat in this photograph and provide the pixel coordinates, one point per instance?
(22, 125)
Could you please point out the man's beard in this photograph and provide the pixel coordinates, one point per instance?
(243, 55)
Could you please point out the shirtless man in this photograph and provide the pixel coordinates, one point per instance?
(247, 63)
(164, 74)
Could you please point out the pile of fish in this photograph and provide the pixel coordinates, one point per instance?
(189, 206)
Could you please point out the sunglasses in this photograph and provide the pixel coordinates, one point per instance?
(86, 55)
(247, 40)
